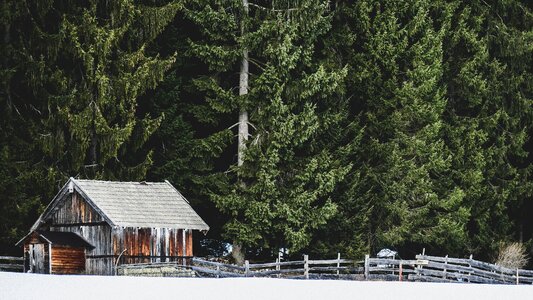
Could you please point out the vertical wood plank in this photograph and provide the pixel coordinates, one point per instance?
(189, 243)
(401, 272)
(278, 267)
(470, 266)
(49, 258)
(184, 243)
(246, 268)
(445, 263)
(338, 262)
(367, 266)
(306, 266)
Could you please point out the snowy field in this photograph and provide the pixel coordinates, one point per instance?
(42, 287)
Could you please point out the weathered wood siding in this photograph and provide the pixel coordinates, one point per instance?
(189, 243)
(76, 215)
(99, 261)
(36, 255)
(68, 260)
(73, 210)
(144, 245)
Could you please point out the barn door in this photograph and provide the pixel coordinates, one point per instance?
(37, 257)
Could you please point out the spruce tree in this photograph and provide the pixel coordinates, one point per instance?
(400, 195)
(281, 193)
(489, 59)
(101, 68)
(71, 77)
(441, 92)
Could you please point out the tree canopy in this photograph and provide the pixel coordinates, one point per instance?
(367, 124)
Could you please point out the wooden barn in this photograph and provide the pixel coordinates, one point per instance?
(92, 226)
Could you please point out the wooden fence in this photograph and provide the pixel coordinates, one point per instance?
(423, 268)
(390, 269)
(448, 269)
(301, 269)
(11, 264)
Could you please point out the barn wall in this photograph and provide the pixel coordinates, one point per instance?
(189, 243)
(74, 209)
(76, 215)
(42, 258)
(99, 261)
(144, 245)
(68, 260)
(46, 258)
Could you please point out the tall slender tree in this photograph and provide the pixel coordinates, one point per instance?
(277, 192)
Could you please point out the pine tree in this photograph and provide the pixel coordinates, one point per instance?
(18, 122)
(289, 169)
(441, 92)
(400, 195)
(99, 72)
(489, 115)
(280, 194)
(70, 84)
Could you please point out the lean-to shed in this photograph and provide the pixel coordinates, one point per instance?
(91, 225)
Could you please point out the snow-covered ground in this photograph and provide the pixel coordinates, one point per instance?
(33, 286)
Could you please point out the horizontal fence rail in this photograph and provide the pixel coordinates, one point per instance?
(423, 268)
(390, 269)
(447, 269)
(11, 264)
(302, 269)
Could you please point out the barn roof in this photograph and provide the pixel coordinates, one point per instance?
(65, 238)
(70, 239)
(132, 204)
(142, 204)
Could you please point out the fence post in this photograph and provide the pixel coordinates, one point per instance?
(338, 262)
(517, 278)
(306, 266)
(401, 271)
(278, 267)
(246, 268)
(367, 266)
(445, 263)
(218, 271)
(394, 258)
(470, 266)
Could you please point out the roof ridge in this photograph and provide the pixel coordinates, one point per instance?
(133, 204)
(118, 182)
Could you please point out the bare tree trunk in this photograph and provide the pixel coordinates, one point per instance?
(238, 253)
(243, 114)
(94, 139)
